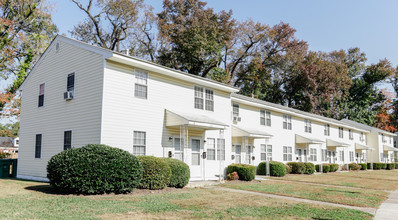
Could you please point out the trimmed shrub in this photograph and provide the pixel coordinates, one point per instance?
(309, 168)
(379, 166)
(364, 166)
(262, 168)
(383, 166)
(277, 168)
(369, 166)
(354, 166)
(233, 176)
(180, 172)
(396, 165)
(334, 167)
(297, 167)
(94, 169)
(390, 166)
(245, 172)
(325, 168)
(156, 173)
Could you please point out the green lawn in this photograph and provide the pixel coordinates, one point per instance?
(377, 179)
(346, 196)
(32, 200)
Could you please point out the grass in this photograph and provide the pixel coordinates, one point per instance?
(377, 179)
(32, 200)
(346, 196)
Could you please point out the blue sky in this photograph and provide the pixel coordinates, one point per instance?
(326, 25)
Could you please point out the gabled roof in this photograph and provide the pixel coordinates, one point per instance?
(366, 127)
(292, 111)
(140, 63)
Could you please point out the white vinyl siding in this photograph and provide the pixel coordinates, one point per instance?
(141, 84)
(139, 143)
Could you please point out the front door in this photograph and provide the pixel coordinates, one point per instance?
(238, 151)
(196, 159)
(298, 155)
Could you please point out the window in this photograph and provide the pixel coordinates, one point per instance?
(341, 134)
(265, 117)
(327, 130)
(209, 100)
(38, 146)
(198, 97)
(266, 152)
(220, 149)
(287, 122)
(287, 153)
(178, 154)
(139, 143)
(307, 126)
(141, 87)
(383, 138)
(67, 140)
(235, 110)
(361, 137)
(341, 155)
(351, 134)
(313, 154)
(70, 85)
(351, 156)
(41, 95)
(211, 149)
(324, 155)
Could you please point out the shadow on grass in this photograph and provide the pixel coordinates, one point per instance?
(47, 189)
(341, 191)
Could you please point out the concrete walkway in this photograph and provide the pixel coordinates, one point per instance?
(389, 208)
(368, 210)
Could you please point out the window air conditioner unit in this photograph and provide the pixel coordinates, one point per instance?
(68, 95)
(237, 119)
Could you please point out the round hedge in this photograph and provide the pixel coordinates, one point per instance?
(94, 169)
(245, 172)
(180, 173)
(276, 168)
(156, 173)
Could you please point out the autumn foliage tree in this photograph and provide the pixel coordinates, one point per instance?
(383, 119)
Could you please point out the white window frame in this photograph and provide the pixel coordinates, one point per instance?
(287, 153)
(266, 152)
(235, 110)
(141, 81)
(326, 131)
(41, 94)
(209, 100)
(307, 126)
(351, 156)
(220, 149)
(313, 154)
(350, 134)
(211, 147)
(361, 137)
(287, 122)
(137, 146)
(341, 132)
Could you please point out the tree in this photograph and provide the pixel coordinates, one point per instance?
(109, 27)
(26, 29)
(9, 130)
(383, 118)
(193, 36)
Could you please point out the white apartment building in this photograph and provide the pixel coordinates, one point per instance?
(78, 94)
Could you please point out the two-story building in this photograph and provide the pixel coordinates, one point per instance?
(78, 94)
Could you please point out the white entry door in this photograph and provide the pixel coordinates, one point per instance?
(196, 159)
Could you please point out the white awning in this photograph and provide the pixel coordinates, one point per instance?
(306, 140)
(333, 143)
(362, 147)
(388, 148)
(247, 132)
(200, 121)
